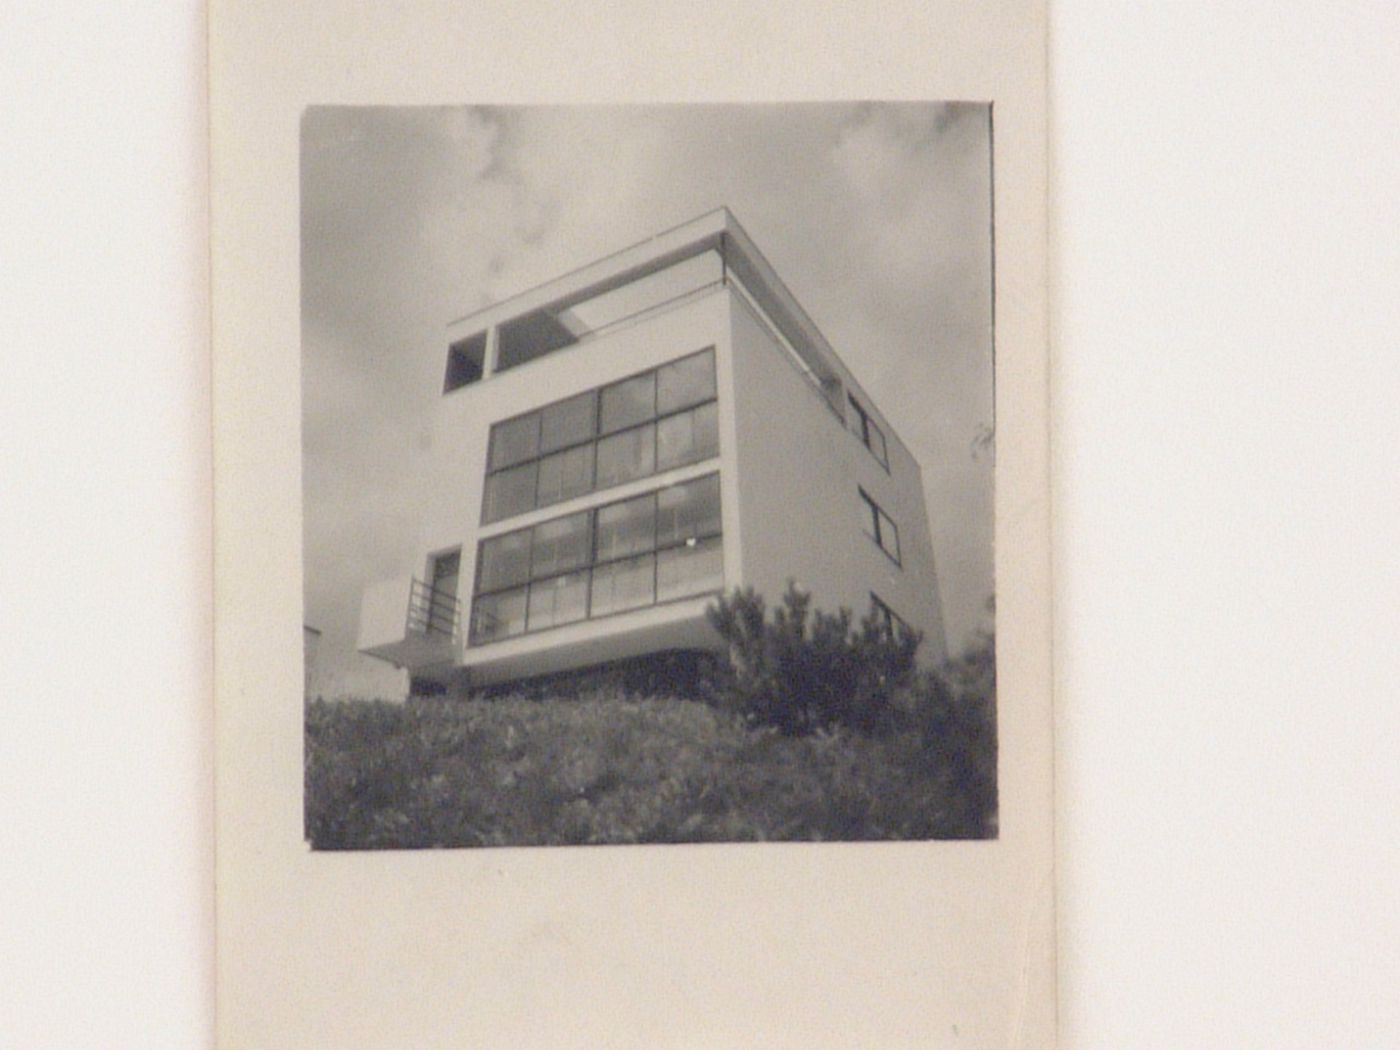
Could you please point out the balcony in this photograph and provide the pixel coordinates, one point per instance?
(410, 623)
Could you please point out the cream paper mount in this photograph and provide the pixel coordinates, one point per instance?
(873, 192)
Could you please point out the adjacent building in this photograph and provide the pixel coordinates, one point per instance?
(617, 447)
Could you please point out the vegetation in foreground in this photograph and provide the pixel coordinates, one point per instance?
(821, 732)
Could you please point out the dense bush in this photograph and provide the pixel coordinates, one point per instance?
(965, 738)
(440, 772)
(821, 730)
(953, 711)
(804, 670)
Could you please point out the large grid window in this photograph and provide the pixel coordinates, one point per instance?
(652, 548)
(631, 429)
(869, 432)
(879, 526)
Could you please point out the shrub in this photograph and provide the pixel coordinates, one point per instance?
(805, 670)
(952, 714)
(606, 769)
(965, 735)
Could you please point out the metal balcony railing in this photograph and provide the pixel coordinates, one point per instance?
(432, 611)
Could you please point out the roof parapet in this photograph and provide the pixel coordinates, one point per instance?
(718, 231)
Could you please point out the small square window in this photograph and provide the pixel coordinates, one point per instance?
(466, 363)
(889, 536)
(875, 441)
(879, 526)
(869, 432)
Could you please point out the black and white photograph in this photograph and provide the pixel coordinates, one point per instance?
(647, 466)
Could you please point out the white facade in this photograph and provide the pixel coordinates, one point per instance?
(623, 399)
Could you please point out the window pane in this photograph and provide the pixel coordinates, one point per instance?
(884, 615)
(505, 561)
(563, 599)
(889, 536)
(568, 422)
(685, 382)
(565, 475)
(857, 418)
(688, 437)
(509, 492)
(693, 569)
(631, 401)
(877, 442)
(627, 456)
(688, 511)
(498, 615)
(560, 545)
(515, 440)
(622, 585)
(626, 528)
(870, 517)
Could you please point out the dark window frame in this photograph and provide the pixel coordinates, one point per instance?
(878, 518)
(865, 426)
(599, 435)
(891, 620)
(656, 547)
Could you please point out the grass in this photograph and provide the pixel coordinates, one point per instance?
(611, 768)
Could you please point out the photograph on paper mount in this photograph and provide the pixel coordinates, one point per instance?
(648, 474)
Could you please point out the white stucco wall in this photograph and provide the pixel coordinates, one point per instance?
(789, 469)
(801, 517)
(383, 608)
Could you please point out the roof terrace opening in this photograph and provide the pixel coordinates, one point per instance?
(565, 323)
(466, 362)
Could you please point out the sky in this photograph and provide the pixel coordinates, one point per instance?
(876, 216)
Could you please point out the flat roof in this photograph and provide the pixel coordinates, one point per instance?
(716, 230)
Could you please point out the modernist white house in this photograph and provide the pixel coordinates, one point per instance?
(615, 448)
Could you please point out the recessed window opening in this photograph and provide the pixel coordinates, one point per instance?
(466, 362)
(633, 428)
(656, 547)
(662, 288)
(432, 603)
(869, 432)
(879, 527)
(530, 337)
(887, 618)
(557, 327)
